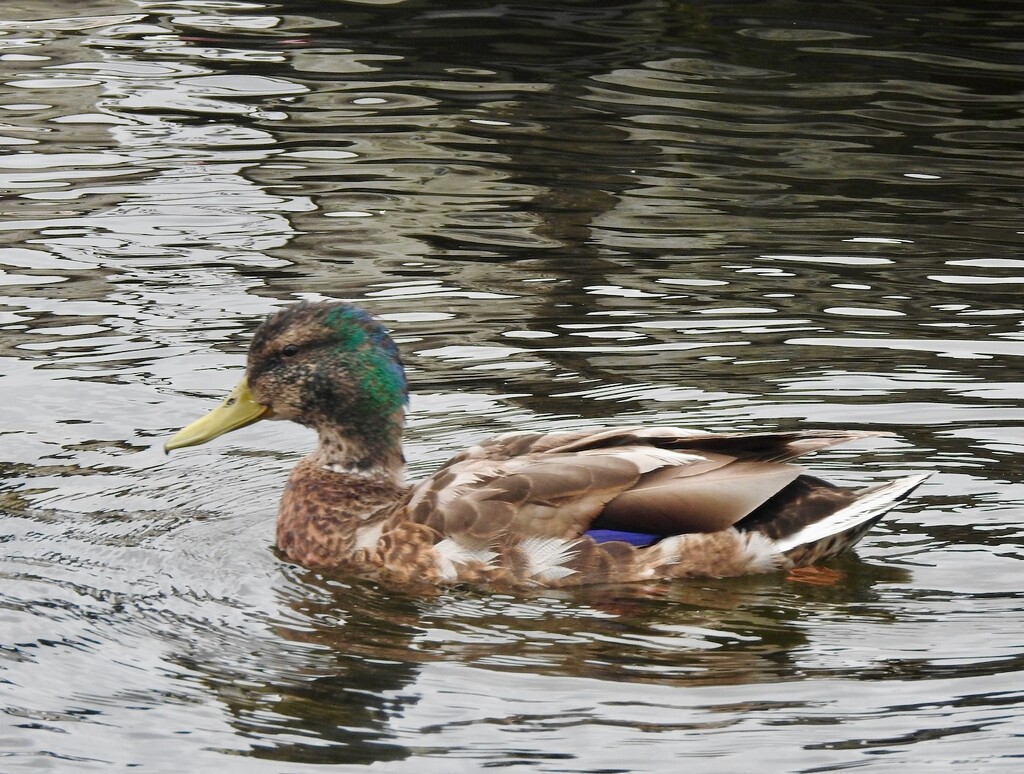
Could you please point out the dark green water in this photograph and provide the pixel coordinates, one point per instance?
(716, 214)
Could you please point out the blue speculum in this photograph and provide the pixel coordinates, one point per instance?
(638, 539)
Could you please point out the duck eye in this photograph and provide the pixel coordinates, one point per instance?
(289, 349)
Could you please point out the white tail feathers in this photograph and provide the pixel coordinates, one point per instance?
(866, 510)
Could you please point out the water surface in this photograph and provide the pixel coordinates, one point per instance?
(723, 215)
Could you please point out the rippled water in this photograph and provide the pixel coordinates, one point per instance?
(714, 214)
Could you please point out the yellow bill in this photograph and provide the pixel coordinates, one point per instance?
(238, 410)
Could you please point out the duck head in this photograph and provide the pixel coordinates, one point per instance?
(329, 366)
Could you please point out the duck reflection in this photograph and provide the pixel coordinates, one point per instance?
(343, 664)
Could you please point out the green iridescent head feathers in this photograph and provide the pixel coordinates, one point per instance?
(330, 366)
(332, 363)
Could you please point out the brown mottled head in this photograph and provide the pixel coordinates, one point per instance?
(330, 366)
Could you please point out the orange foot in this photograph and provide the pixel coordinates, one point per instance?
(817, 576)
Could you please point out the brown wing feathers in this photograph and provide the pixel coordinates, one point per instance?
(657, 480)
(671, 502)
(536, 495)
(774, 447)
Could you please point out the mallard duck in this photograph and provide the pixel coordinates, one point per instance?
(523, 508)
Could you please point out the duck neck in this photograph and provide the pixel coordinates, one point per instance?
(376, 454)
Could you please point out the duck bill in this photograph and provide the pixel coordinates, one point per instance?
(238, 410)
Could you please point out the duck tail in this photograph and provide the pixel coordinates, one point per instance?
(841, 530)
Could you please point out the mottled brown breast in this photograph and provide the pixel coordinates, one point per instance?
(321, 512)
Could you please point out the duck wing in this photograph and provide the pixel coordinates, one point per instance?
(665, 481)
